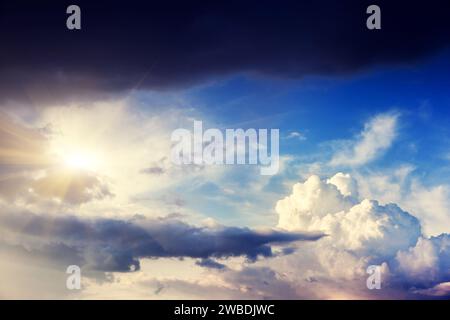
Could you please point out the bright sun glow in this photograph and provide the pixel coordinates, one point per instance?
(81, 160)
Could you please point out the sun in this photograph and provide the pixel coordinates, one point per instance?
(81, 160)
(77, 152)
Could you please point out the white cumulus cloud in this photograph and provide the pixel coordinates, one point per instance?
(360, 232)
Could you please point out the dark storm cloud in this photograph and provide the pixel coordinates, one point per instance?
(168, 44)
(117, 245)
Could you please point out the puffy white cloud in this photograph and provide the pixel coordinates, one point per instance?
(320, 206)
(419, 261)
(309, 203)
(429, 203)
(427, 262)
(360, 232)
(377, 136)
(345, 184)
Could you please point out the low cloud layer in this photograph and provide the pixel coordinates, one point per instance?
(117, 245)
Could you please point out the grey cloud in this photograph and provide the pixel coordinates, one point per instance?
(210, 263)
(157, 168)
(117, 245)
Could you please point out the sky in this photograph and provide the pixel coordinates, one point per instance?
(86, 177)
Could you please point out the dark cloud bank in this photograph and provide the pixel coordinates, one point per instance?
(170, 44)
(117, 245)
